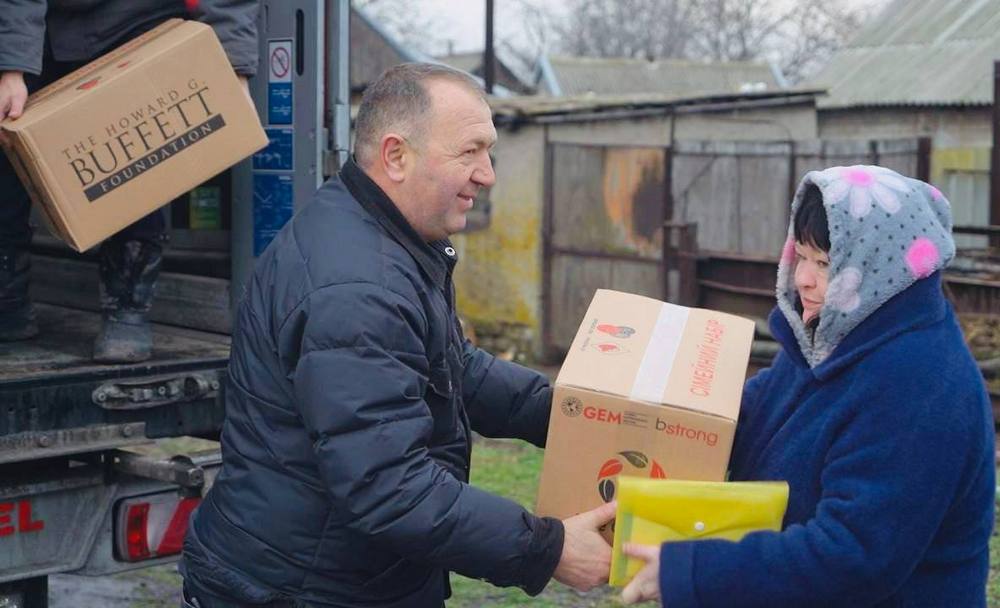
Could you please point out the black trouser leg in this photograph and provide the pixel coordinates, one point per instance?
(15, 209)
(149, 229)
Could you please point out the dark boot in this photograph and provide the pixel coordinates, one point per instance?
(17, 317)
(128, 272)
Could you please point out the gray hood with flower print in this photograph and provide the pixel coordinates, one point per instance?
(886, 231)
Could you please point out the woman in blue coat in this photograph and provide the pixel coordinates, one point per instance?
(874, 412)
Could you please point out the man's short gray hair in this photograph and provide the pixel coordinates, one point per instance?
(398, 101)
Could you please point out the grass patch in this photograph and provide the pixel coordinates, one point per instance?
(511, 469)
(159, 586)
(993, 583)
(165, 448)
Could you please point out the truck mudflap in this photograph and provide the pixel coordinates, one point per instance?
(49, 526)
(98, 517)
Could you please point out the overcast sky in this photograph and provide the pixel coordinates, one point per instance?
(468, 21)
(463, 21)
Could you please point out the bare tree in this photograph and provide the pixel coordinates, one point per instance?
(524, 28)
(525, 31)
(410, 27)
(647, 29)
(735, 30)
(799, 36)
(814, 33)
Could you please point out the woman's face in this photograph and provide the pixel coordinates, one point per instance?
(811, 268)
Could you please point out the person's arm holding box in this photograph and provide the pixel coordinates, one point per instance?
(371, 426)
(22, 32)
(235, 23)
(505, 399)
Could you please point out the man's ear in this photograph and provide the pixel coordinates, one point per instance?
(395, 156)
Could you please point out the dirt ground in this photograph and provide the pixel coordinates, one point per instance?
(982, 333)
(156, 587)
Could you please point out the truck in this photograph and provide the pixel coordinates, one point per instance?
(78, 491)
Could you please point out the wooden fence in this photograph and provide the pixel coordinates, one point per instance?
(739, 192)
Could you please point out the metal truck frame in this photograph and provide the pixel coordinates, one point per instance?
(75, 495)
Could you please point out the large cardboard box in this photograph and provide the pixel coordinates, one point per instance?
(131, 131)
(647, 389)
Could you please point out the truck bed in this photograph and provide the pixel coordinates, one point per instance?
(55, 400)
(63, 349)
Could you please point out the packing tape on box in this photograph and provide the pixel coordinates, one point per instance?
(654, 370)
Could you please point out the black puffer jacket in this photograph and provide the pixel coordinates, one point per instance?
(346, 442)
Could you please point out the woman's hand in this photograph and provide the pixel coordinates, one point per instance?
(646, 584)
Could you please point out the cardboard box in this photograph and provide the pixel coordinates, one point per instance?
(647, 389)
(131, 131)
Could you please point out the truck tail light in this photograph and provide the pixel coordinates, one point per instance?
(152, 526)
(136, 524)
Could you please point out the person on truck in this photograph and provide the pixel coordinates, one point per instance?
(874, 411)
(41, 41)
(352, 393)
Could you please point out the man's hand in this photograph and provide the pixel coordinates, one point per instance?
(13, 94)
(586, 556)
(646, 584)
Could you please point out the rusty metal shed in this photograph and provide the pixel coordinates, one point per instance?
(930, 53)
(613, 145)
(923, 69)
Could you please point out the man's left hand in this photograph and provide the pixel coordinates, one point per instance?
(646, 584)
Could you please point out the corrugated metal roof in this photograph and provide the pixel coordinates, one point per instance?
(472, 63)
(467, 62)
(931, 52)
(405, 52)
(620, 76)
(519, 109)
(537, 106)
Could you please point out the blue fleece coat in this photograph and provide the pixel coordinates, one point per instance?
(887, 446)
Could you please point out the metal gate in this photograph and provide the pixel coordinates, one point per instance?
(602, 228)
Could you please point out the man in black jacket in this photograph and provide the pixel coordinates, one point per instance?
(352, 393)
(41, 41)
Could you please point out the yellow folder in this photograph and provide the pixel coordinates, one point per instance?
(655, 511)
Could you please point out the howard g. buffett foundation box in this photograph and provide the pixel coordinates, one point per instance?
(131, 131)
(647, 389)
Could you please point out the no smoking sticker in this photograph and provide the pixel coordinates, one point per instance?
(279, 82)
(279, 61)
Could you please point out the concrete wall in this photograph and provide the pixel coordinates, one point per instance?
(779, 123)
(961, 142)
(499, 277)
(948, 127)
(963, 175)
(647, 131)
(765, 124)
